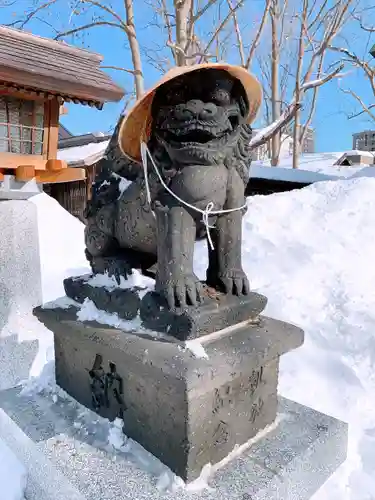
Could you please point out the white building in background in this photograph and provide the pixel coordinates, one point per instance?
(286, 149)
(364, 141)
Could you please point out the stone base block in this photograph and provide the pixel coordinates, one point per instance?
(186, 411)
(291, 462)
(124, 302)
(217, 311)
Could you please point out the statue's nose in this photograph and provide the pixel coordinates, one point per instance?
(196, 109)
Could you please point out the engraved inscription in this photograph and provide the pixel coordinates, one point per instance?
(256, 410)
(255, 379)
(104, 384)
(218, 401)
(228, 393)
(220, 435)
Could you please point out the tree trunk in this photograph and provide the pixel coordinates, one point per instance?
(297, 92)
(275, 89)
(182, 9)
(135, 50)
(296, 139)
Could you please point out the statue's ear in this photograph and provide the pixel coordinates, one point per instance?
(244, 106)
(239, 94)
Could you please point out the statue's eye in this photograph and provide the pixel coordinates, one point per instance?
(177, 95)
(221, 97)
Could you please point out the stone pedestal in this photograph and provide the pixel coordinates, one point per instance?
(185, 410)
(290, 462)
(20, 287)
(11, 189)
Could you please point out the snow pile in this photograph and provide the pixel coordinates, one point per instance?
(311, 252)
(13, 475)
(312, 167)
(61, 245)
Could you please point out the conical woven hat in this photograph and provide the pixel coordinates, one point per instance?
(136, 125)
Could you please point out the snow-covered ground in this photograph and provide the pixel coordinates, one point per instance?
(311, 252)
(312, 167)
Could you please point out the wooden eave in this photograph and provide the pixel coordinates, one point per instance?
(62, 97)
(49, 87)
(33, 63)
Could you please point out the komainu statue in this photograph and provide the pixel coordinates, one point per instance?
(184, 152)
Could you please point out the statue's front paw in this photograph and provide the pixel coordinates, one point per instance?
(113, 266)
(234, 282)
(183, 291)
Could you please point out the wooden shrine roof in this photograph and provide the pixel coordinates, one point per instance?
(35, 64)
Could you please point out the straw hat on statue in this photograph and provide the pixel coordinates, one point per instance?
(136, 125)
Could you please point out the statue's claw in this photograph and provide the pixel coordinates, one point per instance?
(114, 267)
(183, 291)
(235, 282)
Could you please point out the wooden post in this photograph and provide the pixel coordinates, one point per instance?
(53, 136)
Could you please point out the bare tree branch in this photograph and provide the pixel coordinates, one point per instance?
(369, 29)
(222, 26)
(370, 72)
(194, 55)
(87, 27)
(365, 109)
(21, 23)
(313, 103)
(202, 11)
(238, 33)
(288, 114)
(255, 43)
(119, 68)
(266, 134)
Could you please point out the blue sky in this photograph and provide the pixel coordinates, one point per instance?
(333, 129)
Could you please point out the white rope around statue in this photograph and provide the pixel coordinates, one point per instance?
(205, 213)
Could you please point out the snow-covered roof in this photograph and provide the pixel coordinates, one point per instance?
(83, 155)
(356, 152)
(365, 157)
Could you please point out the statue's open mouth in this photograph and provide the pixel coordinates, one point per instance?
(194, 135)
